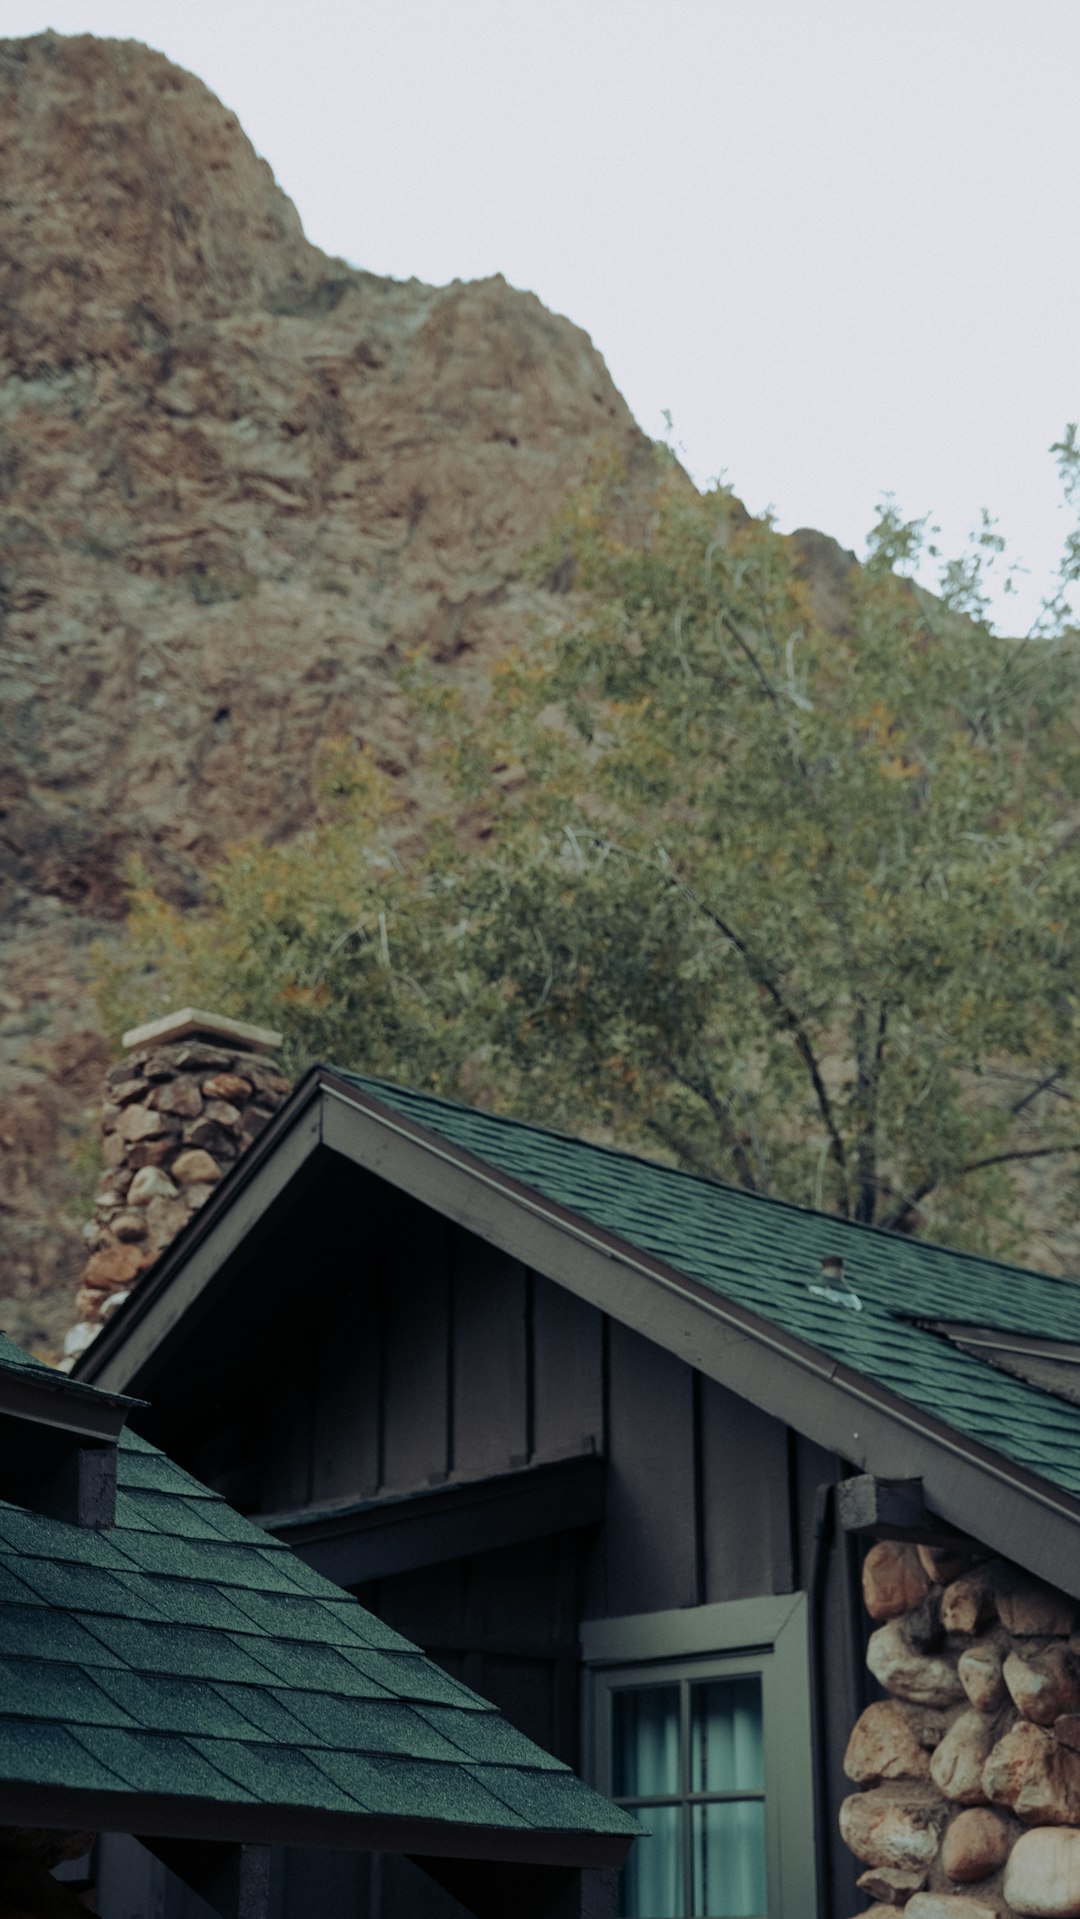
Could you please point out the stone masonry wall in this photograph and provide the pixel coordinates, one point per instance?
(176, 1116)
(969, 1771)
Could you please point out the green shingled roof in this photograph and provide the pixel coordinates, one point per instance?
(766, 1254)
(186, 1652)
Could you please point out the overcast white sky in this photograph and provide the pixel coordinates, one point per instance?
(835, 239)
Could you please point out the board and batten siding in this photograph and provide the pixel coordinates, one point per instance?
(422, 1354)
(431, 1354)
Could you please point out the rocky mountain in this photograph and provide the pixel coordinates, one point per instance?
(239, 482)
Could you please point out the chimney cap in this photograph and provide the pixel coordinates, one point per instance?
(189, 1022)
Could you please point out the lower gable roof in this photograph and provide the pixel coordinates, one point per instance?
(183, 1672)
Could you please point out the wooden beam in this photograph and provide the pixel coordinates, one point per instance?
(93, 1470)
(529, 1892)
(175, 1816)
(51, 1402)
(375, 1538)
(233, 1879)
(890, 1509)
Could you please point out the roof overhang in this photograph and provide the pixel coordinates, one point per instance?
(399, 1532)
(163, 1815)
(969, 1485)
(50, 1402)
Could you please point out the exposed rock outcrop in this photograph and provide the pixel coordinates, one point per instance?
(239, 481)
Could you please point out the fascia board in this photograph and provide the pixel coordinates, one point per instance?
(50, 1403)
(69, 1808)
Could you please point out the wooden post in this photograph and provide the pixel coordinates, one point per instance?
(233, 1879)
(890, 1509)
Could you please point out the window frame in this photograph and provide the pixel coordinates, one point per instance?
(729, 1638)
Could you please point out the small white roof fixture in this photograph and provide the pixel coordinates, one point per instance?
(832, 1287)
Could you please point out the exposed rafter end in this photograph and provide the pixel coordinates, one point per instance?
(891, 1509)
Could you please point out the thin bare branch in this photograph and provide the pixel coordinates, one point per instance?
(722, 1114)
(787, 1018)
(1044, 1086)
(683, 1148)
(784, 1013)
(977, 1166)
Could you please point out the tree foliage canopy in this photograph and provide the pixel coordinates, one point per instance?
(796, 903)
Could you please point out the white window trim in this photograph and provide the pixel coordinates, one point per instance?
(769, 1635)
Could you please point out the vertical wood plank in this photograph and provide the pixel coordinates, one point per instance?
(567, 1363)
(285, 1440)
(414, 1348)
(649, 1535)
(835, 1627)
(744, 1504)
(348, 1385)
(325, 1881)
(566, 1675)
(489, 1393)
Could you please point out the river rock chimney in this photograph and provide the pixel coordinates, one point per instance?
(191, 1094)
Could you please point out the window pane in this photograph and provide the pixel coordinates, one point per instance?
(729, 1859)
(725, 1736)
(651, 1882)
(645, 1741)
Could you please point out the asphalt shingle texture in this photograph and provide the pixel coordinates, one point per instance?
(186, 1652)
(766, 1255)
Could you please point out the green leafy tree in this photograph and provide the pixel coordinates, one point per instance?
(796, 902)
(332, 937)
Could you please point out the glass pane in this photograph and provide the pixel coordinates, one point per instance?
(729, 1859)
(725, 1736)
(645, 1741)
(651, 1882)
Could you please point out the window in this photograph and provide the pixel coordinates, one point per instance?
(698, 1723)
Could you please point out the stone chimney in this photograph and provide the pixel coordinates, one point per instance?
(191, 1095)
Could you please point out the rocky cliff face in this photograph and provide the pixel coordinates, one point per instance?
(239, 481)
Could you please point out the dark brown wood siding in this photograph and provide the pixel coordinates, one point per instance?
(374, 1347)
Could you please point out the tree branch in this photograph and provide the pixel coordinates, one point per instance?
(721, 1112)
(1020, 1152)
(882, 1031)
(682, 1148)
(977, 1166)
(785, 1014)
(786, 1017)
(868, 1070)
(748, 653)
(1043, 1086)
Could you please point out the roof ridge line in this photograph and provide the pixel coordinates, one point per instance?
(706, 1181)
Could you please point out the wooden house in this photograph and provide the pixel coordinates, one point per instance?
(192, 1721)
(607, 1441)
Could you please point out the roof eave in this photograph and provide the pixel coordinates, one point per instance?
(166, 1816)
(49, 1400)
